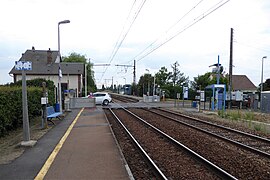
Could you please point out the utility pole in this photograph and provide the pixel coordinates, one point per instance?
(85, 79)
(134, 77)
(230, 69)
(112, 83)
(134, 72)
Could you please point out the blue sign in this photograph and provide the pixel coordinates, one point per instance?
(23, 65)
(185, 92)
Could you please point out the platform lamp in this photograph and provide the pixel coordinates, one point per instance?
(60, 72)
(148, 91)
(264, 57)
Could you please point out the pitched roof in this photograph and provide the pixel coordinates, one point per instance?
(242, 83)
(41, 65)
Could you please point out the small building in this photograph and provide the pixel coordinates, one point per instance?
(266, 101)
(242, 83)
(46, 63)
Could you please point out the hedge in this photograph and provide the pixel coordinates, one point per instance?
(11, 115)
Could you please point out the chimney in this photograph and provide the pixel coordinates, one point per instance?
(49, 56)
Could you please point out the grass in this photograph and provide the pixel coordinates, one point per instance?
(249, 116)
(236, 115)
(258, 127)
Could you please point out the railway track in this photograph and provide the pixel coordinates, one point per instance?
(119, 98)
(169, 158)
(250, 142)
(237, 161)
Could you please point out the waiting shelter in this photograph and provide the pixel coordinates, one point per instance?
(218, 96)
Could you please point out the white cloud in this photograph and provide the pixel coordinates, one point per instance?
(96, 25)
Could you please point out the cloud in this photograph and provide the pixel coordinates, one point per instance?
(95, 26)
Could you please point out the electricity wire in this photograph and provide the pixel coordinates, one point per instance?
(118, 44)
(250, 46)
(169, 29)
(196, 20)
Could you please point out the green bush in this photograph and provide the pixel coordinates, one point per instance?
(38, 83)
(11, 103)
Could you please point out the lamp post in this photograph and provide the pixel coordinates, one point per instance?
(124, 87)
(60, 72)
(148, 91)
(117, 87)
(264, 57)
(154, 86)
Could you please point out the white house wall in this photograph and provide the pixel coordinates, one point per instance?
(72, 79)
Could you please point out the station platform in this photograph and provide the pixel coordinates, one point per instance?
(82, 146)
(89, 151)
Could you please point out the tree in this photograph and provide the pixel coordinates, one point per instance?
(75, 57)
(266, 85)
(78, 58)
(201, 81)
(144, 81)
(162, 76)
(177, 77)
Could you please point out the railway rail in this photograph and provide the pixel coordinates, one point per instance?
(237, 161)
(256, 144)
(119, 98)
(173, 160)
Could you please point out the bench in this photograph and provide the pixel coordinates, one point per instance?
(52, 114)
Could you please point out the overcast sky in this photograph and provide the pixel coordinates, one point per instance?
(96, 26)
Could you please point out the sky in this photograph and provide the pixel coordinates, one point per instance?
(97, 27)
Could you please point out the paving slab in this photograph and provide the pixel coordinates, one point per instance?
(31, 161)
(89, 152)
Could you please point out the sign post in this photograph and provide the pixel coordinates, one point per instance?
(185, 94)
(25, 66)
(178, 97)
(44, 101)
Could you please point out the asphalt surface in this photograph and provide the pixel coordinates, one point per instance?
(31, 161)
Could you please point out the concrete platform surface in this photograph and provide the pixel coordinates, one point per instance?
(89, 152)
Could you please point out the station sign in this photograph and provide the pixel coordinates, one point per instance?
(23, 65)
(185, 92)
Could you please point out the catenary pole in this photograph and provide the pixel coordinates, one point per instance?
(230, 69)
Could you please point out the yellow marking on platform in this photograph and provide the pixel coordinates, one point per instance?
(51, 158)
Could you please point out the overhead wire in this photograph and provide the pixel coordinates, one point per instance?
(251, 46)
(118, 39)
(196, 20)
(118, 45)
(169, 29)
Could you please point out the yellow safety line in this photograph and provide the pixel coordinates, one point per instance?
(51, 158)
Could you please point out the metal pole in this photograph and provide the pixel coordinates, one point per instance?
(262, 84)
(230, 69)
(148, 91)
(59, 79)
(26, 131)
(85, 80)
(134, 77)
(154, 86)
(59, 69)
(59, 40)
(44, 123)
(218, 71)
(183, 95)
